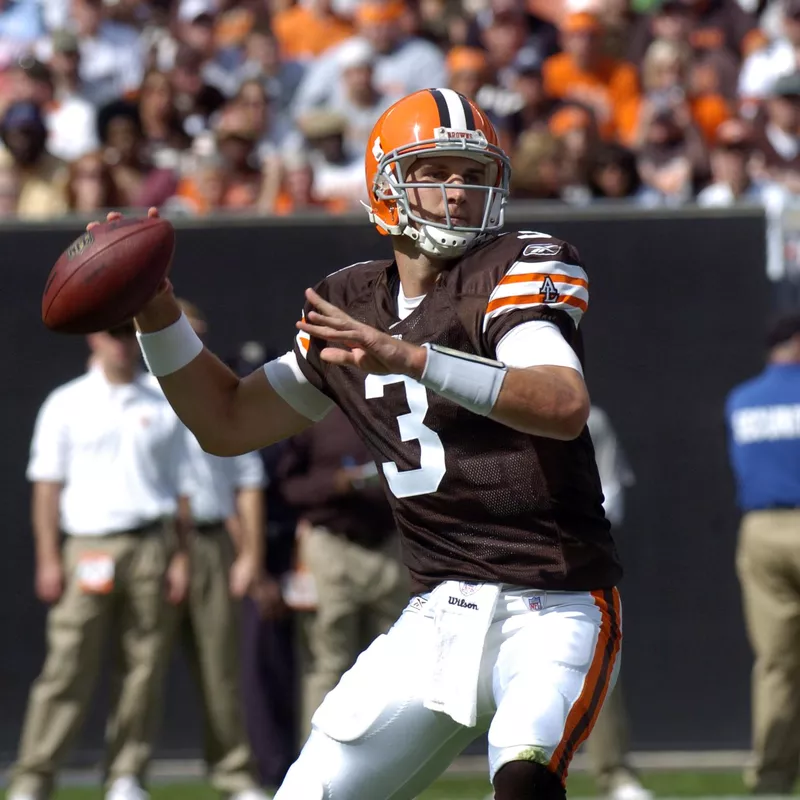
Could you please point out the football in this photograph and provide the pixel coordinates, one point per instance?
(107, 274)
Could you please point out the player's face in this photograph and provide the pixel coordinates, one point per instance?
(465, 206)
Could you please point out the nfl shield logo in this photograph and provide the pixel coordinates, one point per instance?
(534, 603)
(468, 589)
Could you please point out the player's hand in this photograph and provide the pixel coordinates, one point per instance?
(359, 345)
(245, 572)
(177, 578)
(50, 580)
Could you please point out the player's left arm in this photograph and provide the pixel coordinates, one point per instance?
(542, 400)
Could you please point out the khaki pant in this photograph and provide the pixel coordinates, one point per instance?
(209, 628)
(361, 593)
(768, 564)
(135, 617)
(607, 746)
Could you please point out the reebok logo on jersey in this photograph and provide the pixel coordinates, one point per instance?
(541, 250)
(461, 603)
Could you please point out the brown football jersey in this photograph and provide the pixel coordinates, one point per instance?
(473, 499)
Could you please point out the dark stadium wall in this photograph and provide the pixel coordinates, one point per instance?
(676, 319)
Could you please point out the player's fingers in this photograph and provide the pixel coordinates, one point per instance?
(336, 355)
(112, 216)
(152, 212)
(327, 332)
(325, 319)
(323, 305)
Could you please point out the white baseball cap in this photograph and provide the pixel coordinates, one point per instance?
(355, 53)
(190, 10)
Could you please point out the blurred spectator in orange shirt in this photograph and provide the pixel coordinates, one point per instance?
(665, 82)
(297, 192)
(308, 29)
(584, 74)
(203, 192)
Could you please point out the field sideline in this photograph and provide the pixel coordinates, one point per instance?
(666, 784)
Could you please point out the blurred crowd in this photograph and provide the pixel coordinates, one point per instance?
(265, 106)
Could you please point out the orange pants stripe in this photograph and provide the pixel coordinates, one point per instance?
(587, 707)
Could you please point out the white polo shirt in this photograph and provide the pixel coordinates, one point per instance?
(211, 482)
(117, 449)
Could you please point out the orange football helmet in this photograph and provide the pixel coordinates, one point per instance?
(433, 122)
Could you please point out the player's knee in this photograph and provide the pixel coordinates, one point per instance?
(527, 780)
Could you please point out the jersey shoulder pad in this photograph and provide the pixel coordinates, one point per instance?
(348, 283)
(343, 288)
(540, 270)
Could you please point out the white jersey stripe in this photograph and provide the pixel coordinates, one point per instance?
(550, 267)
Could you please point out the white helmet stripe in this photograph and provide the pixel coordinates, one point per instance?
(458, 119)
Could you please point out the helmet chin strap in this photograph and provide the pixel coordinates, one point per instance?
(433, 240)
(439, 242)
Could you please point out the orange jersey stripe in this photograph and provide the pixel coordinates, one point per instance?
(586, 708)
(540, 276)
(530, 299)
(305, 341)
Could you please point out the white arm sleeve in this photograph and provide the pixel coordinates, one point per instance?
(537, 344)
(287, 379)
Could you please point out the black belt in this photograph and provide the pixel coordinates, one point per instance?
(146, 527)
(778, 507)
(209, 527)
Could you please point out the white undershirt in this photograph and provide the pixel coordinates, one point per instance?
(531, 344)
(406, 305)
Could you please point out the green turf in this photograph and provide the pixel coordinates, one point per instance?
(664, 784)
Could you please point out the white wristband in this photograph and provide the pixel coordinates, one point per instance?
(471, 381)
(170, 349)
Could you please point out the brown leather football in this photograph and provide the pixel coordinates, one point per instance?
(107, 275)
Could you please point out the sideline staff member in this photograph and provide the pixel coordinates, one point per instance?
(105, 459)
(763, 417)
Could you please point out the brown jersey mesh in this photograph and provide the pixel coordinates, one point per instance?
(510, 508)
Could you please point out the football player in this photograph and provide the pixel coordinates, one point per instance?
(459, 362)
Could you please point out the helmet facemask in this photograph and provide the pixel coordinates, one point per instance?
(444, 239)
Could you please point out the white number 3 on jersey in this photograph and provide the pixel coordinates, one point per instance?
(427, 478)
